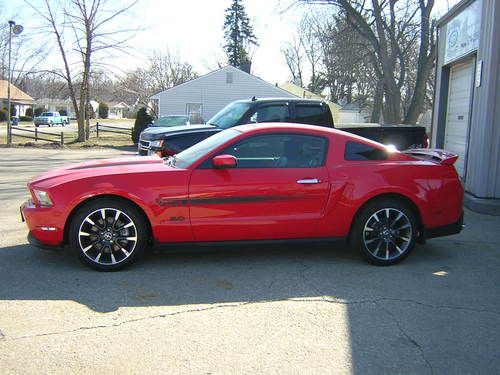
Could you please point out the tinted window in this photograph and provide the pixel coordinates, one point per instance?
(279, 151)
(230, 115)
(271, 113)
(359, 151)
(178, 144)
(311, 114)
(199, 150)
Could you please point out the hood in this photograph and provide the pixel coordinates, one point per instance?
(159, 132)
(103, 167)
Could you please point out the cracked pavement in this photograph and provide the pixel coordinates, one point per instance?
(308, 309)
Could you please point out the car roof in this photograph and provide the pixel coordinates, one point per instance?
(277, 100)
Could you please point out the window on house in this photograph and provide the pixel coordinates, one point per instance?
(194, 111)
(229, 77)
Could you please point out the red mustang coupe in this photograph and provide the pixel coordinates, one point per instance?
(250, 183)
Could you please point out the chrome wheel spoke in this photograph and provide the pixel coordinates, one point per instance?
(387, 233)
(107, 236)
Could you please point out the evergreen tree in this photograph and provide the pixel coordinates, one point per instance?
(142, 120)
(238, 34)
(103, 110)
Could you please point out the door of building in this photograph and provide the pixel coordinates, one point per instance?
(458, 112)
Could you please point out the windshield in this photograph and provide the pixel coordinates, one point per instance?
(46, 114)
(187, 157)
(230, 115)
(171, 121)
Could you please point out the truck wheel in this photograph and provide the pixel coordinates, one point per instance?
(385, 231)
(107, 234)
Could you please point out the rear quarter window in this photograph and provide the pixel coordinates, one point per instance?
(358, 152)
(311, 114)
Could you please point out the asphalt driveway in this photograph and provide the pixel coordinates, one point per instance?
(313, 309)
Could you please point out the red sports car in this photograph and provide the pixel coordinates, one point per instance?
(250, 183)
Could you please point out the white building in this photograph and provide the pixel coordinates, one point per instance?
(208, 94)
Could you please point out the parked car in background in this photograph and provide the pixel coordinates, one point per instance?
(51, 118)
(169, 141)
(250, 183)
(171, 120)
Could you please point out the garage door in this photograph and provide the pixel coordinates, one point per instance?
(458, 110)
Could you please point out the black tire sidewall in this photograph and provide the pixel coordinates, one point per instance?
(356, 238)
(123, 206)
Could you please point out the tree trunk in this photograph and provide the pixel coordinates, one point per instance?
(378, 101)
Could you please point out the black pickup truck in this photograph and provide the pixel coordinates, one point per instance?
(166, 141)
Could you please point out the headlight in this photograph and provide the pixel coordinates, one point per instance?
(157, 143)
(42, 197)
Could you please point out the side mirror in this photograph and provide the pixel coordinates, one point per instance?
(224, 162)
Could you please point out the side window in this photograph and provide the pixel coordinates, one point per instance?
(310, 114)
(271, 113)
(279, 151)
(178, 144)
(360, 151)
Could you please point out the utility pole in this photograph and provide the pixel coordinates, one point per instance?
(16, 29)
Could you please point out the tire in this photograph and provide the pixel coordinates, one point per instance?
(108, 234)
(385, 231)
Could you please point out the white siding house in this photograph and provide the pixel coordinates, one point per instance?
(208, 94)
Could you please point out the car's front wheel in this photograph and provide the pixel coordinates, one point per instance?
(385, 231)
(108, 234)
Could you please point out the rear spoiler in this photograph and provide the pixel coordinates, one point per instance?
(433, 154)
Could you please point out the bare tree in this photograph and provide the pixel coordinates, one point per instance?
(392, 29)
(167, 70)
(164, 70)
(90, 27)
(294, 58)
(26, 53)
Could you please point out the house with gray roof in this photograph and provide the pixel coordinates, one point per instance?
(206, 95)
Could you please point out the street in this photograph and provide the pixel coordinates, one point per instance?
(302, 309)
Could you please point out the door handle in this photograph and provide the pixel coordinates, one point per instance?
(308, 181)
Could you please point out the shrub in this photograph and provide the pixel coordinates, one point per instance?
(63, 112)
(3, 114)
(29, 112)
(103, 110)
(25, 118)
(142, 120)
(38, 111)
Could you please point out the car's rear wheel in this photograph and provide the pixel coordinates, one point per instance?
(385, 231)
(108, 234)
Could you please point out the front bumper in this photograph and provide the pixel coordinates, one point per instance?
(44, 225)
(143, 147)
